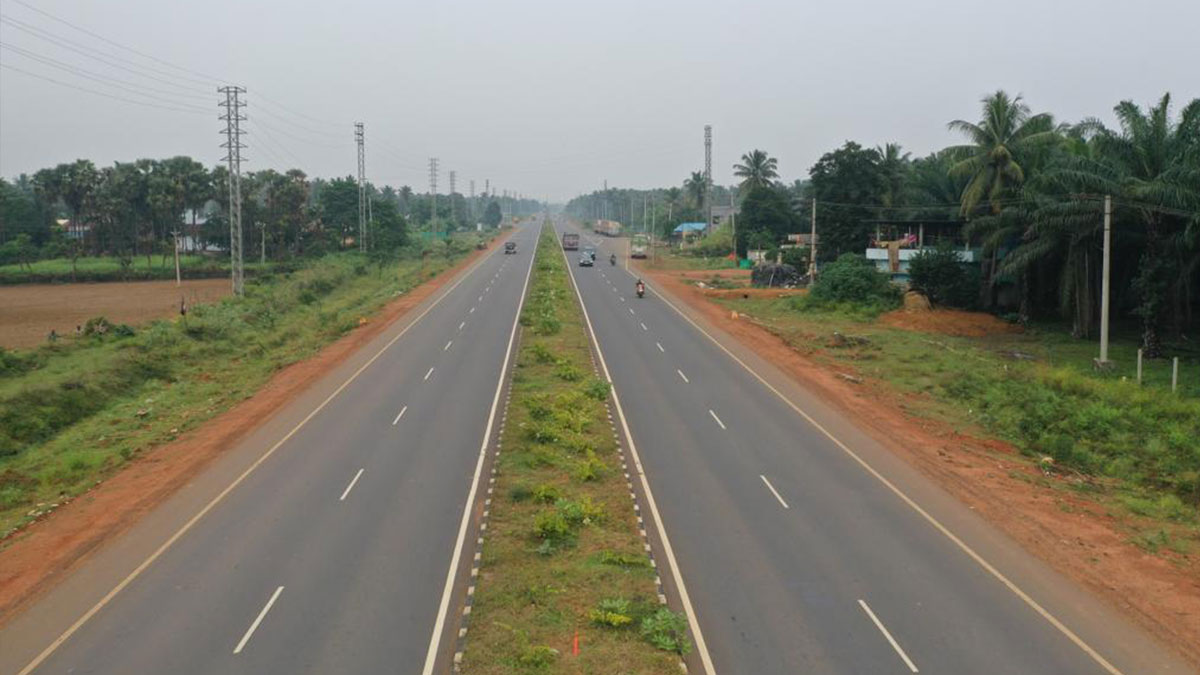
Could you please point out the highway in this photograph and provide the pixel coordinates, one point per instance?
(332, 555)
(796, 556)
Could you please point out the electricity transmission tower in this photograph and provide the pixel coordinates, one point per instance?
(433, 175)
(360, 140)
(708, 182)
(453, 213)
(233, 118)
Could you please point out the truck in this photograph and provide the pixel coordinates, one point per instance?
(639, 246)
(570, 241)
(608, 228)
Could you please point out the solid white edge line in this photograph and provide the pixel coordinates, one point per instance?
(895, 645)
(683, 376)
(718, 419)
(426, 378)
(254, 626)
(910, 502)
(774, 491)
(452, 572)
(402, 411)
(684, 598)
(351, 485)
(137, 571)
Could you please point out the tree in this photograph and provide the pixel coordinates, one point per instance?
(339, 208)
(757, 170)
(765, 218)
(845, 182)
(894, 166)
(1006, 131)
(696, 188)
(491, 215)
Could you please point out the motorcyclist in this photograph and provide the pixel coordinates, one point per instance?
(641, 288)
(612, 259)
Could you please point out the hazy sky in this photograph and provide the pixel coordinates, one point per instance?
(552, 98)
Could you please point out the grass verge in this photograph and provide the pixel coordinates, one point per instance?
(563, 556)
(107, 268)
(74, 412)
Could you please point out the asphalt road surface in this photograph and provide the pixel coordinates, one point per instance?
(796, 558)
(332, 556)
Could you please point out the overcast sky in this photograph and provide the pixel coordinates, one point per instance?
(550, 98)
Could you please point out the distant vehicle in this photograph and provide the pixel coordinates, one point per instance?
(570, 241)
(587, 258)
(510, 247)
(639, 246)
(609, 228)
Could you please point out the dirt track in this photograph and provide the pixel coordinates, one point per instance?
(29, 313)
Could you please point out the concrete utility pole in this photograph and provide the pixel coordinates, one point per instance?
(433, 176)
(487, 187)
(359, 140)
(1104, 284)
(453, 178)
(178, 278)
(708, 181)
(812, 246)
(473, 216)
(233, 119)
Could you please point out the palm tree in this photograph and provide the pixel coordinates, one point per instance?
(1000, 141)
(894, 165)
(696, 187)
(758, 169)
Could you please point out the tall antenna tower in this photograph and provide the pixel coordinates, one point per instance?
(233, 118)
(708, 182)
(433, 175)
(362, 186)
(487, 186)
(453, 214)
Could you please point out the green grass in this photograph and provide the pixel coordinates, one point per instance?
(562, 553)
(105, 268)
(73, 413)
(1135, 446)
(674, 260)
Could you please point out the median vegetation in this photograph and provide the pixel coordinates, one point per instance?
(75, 411)
(565, 584)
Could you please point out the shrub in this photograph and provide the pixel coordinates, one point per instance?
(612, 612)
(596, 388)
(623, 559)
(541, 353)
(853, 279)
(568, 372)
(938, 274)
(520, 493)
(551, 526)
(590, 469)
(546, 494)
(667, 631)
(579, 513)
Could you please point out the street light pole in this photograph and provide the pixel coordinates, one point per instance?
(1103, 362)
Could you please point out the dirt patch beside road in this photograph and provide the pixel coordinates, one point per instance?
(29, 312)
(950, 322)
(1075, 535)
(48, 549)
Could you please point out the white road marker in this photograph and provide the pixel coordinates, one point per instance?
(643, 326)
(402, 411)
(440, 622)
(668, 551)
(683, 376)
(912, 504)
(460, 326)
(254, 626)
(479, 299)
(472, 311)
(447, 347)
(428, 374)
(212, 503)
(718, 419)
(631, 310)
(774, 491)
(351, 485)
(878, 624)
(622, 297)
(660, 347)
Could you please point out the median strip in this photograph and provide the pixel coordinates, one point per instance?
(564, 581)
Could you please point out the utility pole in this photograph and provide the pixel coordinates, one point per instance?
(473, 216)
(433, 176)
(1104, 285)
(233, 119)
(453, 214)
(708, 182)
(359, 139)
(178, 278)
(487, 187)
(812, 246)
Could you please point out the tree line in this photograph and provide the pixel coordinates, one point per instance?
(140, 207)
(1023, 189)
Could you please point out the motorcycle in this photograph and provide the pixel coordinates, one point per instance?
(612, 260)
(641, 289)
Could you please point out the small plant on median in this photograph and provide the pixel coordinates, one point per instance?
(667, 630)
(612, 613)
(597, 388)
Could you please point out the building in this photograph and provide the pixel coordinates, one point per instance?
(896, 243)
(685, 231)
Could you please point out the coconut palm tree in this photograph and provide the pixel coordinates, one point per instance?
(696, 187)
(758, 169)
(894, 164)
(1005, 136)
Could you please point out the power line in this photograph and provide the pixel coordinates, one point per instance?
(194, 111)
(132, 87)
(310, 130)
(94, 54)
(266, 136)
(213, 80)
